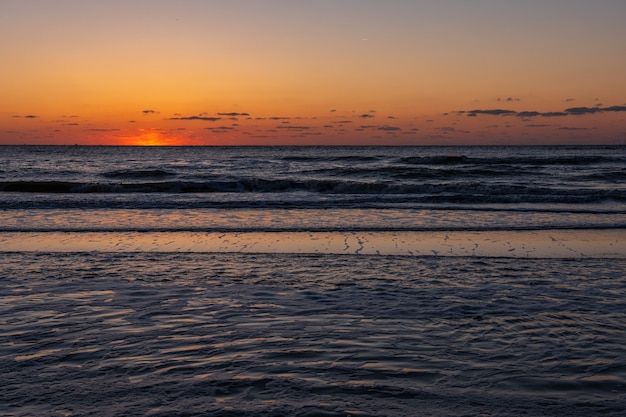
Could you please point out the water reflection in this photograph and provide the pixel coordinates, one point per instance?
(516, 244)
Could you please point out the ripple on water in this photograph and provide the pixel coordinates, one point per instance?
(318, 335)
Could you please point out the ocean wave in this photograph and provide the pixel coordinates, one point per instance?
(458, 192)
(138, 173)
(510, 160)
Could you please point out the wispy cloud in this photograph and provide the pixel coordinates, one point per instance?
(201, 118)
(572, 111)
(233, 114)
(290, 127)
(28, 116)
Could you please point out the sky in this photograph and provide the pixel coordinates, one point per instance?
(317, 72)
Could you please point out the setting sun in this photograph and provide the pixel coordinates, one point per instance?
(150, 137)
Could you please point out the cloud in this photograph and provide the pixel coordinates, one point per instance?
(614, 108)
(233, 114)
(102, 130)
(366, 116)
(592, 110)
(220, 128)
(293, 127)
(146, 112)
(574, 128)
(582, 110)
(28, 116)
(203, 118)
(509, 99)
(389, 128)
(495, 112)
(528, 114)
(572, 111)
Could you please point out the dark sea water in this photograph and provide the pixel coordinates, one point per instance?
(313, 281)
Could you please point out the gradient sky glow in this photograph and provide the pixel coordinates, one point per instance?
(259, 72)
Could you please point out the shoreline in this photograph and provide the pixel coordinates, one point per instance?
(576, 244)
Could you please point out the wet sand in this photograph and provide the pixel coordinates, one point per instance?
(516, 244)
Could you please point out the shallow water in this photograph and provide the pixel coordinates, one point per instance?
(312, 281)
(268, 334)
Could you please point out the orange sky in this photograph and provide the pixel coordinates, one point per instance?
(325, 72)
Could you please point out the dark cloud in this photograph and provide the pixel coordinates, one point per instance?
(528, 114)
(614, 108)
(366, 116)
(574, 128)
(592, 110)
(146, 112)
(203, 118)
(582, 110)
(389, 128)
(233, 114)
(495, 112)
(28, 116)
(569, 100)
(509, 99)
(572, 111)
(279, 118)
(538, 125)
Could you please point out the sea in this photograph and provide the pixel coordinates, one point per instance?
(313, 281)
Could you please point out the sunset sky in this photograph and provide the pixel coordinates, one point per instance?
(263, 72)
